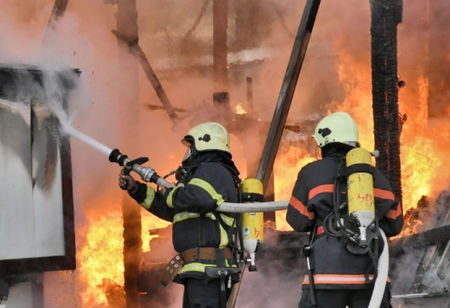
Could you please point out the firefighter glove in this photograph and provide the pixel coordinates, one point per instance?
(127, 182)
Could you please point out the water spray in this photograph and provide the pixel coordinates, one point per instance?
(86, 139)
(147, 174)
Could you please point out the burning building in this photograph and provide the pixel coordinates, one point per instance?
(37, 225)
(177, 42)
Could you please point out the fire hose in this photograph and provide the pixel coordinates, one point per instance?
(269, 206)
(380, 282)
(148, 174)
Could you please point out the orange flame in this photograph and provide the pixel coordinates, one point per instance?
(420, 152)
(286, 168)
(423, 156)
(419, 165)
(239, 109)
(101, 257)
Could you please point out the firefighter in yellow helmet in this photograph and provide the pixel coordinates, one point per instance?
(202, 236)
(342, 268)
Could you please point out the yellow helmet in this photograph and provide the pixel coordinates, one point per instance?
(209, 136)
(337, 127)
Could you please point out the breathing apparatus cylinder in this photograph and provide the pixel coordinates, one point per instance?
(361, 205)
(252, 222)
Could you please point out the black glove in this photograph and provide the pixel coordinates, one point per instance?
(181, 174)
(127, 182)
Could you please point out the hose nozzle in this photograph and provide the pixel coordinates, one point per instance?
(117, 157)
(147, 174)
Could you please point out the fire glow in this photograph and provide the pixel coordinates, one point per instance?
(239, 109)
(101, 257)
(422, 155)
(286, 169)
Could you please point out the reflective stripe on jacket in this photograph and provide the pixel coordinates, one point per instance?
(190, 206)
(312, 201)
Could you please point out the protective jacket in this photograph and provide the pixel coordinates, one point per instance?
(207, 181)
(312, 200)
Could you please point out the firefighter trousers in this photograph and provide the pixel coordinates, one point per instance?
(343, 298)
(200, 293)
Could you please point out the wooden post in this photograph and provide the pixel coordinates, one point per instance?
(386, 14)
(220, 50)
(264, 173)
(59, 7)
(249, 81)
(129, 109)
(287, 91)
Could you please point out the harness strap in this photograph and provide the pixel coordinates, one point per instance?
(203, 253)
(346, 171)
(251, 197)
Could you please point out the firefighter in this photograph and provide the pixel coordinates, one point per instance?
(338, 276)
(202, 237)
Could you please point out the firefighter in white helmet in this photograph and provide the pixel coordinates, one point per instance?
(202, 236)
(341, 269)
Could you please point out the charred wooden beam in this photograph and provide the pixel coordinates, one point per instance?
(220, 49)
(249, 83)
(158, 107)
(386, 15)
(270, 150)
(287, 91)
(197, 21)
(59, 7)
(420, 240)
(136, 49)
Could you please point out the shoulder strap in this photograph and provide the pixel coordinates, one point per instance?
(340, 180)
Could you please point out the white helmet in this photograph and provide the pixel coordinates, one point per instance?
(209, 136)
(337, 127)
